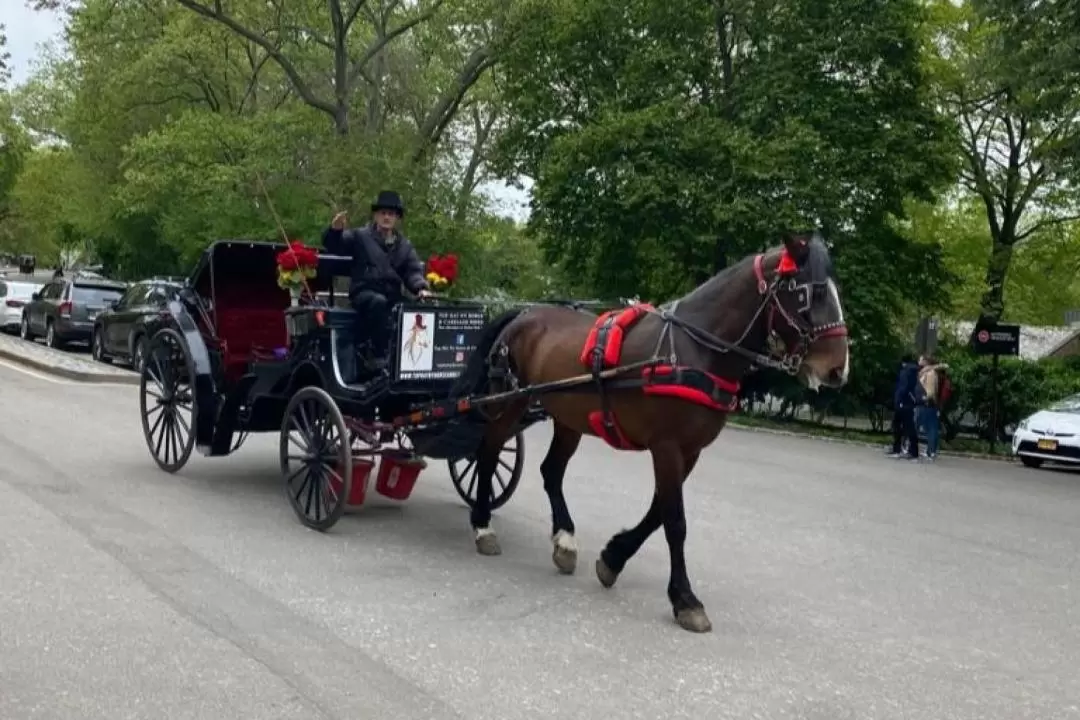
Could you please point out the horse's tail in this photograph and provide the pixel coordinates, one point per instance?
(475, 374)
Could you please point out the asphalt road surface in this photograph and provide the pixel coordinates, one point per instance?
(840, 585)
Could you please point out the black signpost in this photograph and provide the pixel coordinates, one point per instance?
(995, 339)
(926, 336)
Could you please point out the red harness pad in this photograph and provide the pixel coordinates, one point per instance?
(692, 385)
(611, 433)
(603, 349)
(606, 338)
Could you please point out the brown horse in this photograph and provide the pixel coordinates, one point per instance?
(681, 366)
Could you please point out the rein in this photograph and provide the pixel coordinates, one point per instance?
(789, 362)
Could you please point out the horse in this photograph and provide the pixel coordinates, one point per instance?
(657, 379)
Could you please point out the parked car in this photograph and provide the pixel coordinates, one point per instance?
(120, 330)
(65, 309)
(1050, 435)
(13, 297)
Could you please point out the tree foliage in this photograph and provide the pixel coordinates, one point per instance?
(1004, 71)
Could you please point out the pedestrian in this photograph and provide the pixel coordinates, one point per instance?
(903, 425)
(930, 402)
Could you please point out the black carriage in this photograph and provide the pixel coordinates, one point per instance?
(235, 354)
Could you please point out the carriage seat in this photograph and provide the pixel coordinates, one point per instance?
(250, 323)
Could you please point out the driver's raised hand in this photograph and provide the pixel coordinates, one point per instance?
(340, 221)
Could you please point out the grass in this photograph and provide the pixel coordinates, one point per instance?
(965, 445)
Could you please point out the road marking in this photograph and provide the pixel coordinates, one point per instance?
(59, 381)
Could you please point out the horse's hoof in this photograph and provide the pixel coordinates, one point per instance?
(604, 574)
(694, 620)
(488, 544)
(565, 560)
(565, 553)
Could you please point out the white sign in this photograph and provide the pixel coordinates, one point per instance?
(417, 349)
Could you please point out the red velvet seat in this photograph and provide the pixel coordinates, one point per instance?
(250, 324)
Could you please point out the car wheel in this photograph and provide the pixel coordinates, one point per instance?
(1031, 462)
(50, 336)
(138, 355)
(24, 329)
(97, 348)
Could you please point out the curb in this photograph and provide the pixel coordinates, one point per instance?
(861, 443)
(97, 378)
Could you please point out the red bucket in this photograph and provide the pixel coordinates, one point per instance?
(361, 474)
(398, 475)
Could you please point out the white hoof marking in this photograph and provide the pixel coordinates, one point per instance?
(565, 541)
(483, 532)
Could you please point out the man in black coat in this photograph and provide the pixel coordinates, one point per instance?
(383, 261)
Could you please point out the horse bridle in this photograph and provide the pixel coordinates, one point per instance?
(807, 333)
(779, 354)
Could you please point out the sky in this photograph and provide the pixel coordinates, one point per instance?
(28, 31)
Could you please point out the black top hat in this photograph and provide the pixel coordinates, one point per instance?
(389, 200)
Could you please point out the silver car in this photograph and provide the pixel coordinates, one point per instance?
(14, 295)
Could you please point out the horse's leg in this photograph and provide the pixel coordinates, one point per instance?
(564, 443)
(498, 432)
(671, 468)
(624, 545)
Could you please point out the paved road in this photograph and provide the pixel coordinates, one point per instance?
(841, 585)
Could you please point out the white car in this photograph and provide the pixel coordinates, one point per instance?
(13, 296)
(1050, 435)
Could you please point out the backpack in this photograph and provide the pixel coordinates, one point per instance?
(944, 389)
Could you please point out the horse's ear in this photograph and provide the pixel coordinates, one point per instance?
(797, 245)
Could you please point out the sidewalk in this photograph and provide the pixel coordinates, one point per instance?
(57, 362)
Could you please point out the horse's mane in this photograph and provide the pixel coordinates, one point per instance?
(721, 278)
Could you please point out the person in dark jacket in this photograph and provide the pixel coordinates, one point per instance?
(907, 379)
(383, 261)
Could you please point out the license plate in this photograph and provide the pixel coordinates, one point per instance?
(1047, 445)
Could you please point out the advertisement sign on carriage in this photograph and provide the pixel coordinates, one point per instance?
(435, 343)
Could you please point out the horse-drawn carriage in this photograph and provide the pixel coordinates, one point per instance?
(235, 356)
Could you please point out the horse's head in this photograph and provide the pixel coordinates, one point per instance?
(805, 320)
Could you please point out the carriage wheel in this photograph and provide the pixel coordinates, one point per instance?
(167, 400)
(503, 483)
(316, 458)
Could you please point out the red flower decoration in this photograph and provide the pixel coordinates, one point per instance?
(787, 264)
(297, 256)
(445, 266)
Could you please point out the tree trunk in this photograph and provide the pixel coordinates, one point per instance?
(997, 270)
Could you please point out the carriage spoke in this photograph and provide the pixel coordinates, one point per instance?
(472, 482)
(177, 436)
(306, 470)
(498, 477)
(313, 479)
(166, 438)
(161, 424)
(182, 423)
(506, 465)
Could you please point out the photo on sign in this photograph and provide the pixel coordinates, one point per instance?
(417, 352)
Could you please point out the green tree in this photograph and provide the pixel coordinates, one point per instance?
(1003, 71)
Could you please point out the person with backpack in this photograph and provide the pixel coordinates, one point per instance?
(931, 393)
(904, 403)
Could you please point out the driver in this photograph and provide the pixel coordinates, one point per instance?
(383, 260)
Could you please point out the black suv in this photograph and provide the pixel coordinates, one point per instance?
(65, 309)
(120, 332)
